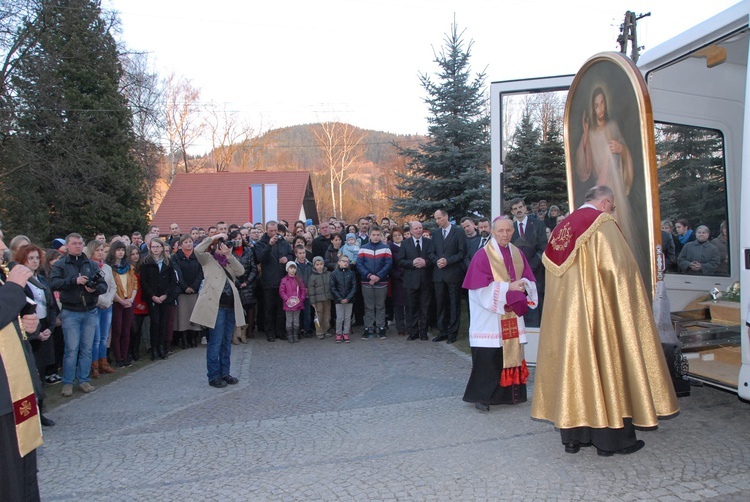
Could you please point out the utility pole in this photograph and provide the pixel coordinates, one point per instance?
(628, 33)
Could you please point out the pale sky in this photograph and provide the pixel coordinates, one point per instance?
(290, 62)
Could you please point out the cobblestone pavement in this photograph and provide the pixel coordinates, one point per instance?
(370, 420)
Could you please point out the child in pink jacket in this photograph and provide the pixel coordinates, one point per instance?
(293, 294)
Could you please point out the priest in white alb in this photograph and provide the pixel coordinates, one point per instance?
(501, 290)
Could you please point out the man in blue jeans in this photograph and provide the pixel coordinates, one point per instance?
(80, 282)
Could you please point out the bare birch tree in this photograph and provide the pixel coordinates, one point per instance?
(141, 87)
(231, 139)
(185, 123)
(342, 148)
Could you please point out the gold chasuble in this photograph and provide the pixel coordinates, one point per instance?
(515, 370)
(25, 411)
(600, 359)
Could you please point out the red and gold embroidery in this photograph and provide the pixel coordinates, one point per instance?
(561, 241)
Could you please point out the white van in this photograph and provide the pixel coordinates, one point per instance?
(698, 82)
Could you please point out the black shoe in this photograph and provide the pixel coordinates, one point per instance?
(572, 447)
(632, 449)
(424, 337)
(153, 354)
(270, 339)
(231, 380)
(218, 383)
(127, 363)
(413, 337)
(440, 338)
(482, 407)
(451, 340)
(46, 422)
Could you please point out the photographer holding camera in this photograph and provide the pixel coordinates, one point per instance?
(80, 282)
(272, 253)
(219, 307)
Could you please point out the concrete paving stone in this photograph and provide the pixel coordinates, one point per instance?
(382, 421)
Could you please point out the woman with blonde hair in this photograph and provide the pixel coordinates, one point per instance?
(159, 285)
(99, 364)
(124, 302)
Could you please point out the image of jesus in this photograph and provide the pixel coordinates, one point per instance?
(603, 154)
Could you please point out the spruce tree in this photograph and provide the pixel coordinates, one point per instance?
(692, 183)
(74, 131)
(550, 178)
(451, 170)
(522, 161)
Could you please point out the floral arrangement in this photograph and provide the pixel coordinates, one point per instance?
(732, 294)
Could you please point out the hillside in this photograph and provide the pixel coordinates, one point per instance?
(371, 180)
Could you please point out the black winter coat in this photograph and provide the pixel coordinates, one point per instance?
(331, 258)
(343, 285)
(247, 293)
(157, 283)
(63, 278)
(189, 272)
(268, 257)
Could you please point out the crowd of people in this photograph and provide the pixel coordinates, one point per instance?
(288, 281)
(94, 301)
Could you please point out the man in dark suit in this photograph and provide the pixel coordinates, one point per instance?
(413, 258)
(448, 253)
(530, 236)
(472, 238)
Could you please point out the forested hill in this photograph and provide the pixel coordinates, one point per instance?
(296, 147)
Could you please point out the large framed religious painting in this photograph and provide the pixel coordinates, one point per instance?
(609, 140)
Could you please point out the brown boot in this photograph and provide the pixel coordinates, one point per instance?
(95, 369)
(104, 366)
(241, 336)
(236, 336)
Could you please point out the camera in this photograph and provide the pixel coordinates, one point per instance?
(229, 244)
(91, 283)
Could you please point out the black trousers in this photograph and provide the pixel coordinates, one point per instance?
(418, 303)
(605, 439)
(448, 303)
(273, 316)
(18, 480)
(158, 313)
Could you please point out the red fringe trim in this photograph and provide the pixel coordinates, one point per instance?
(514, 376)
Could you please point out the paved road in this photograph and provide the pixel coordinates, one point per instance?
(371, 420)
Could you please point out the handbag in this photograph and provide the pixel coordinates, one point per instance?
(293, 300)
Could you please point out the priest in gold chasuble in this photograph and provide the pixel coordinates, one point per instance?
(501, 290)
(601, 371)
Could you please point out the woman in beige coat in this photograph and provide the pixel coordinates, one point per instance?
(218, 307)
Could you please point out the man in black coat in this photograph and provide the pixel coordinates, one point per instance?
(323, 240)
(18, 478)
(530, 236)
(272, 253)
(413, 258)
(447, 253)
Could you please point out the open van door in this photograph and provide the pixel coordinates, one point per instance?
(699, 92)
(507, 101)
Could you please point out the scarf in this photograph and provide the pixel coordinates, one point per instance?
(221, 259)
(684, 238)
(123, 268)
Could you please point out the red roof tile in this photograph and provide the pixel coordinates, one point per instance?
(202, 199)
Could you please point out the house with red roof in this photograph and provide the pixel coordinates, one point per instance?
(202, 199)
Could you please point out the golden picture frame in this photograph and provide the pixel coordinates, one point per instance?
(609, 140)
